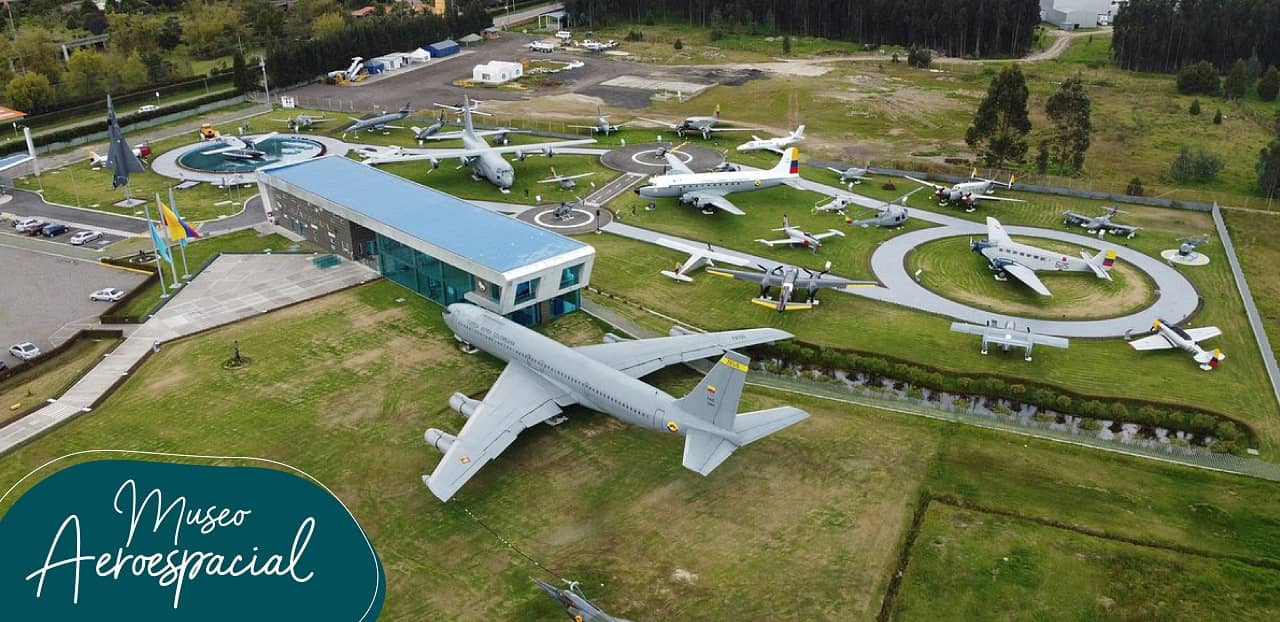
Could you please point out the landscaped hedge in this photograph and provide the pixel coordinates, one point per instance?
(50, 356)
(144, 94)
(1226, 429)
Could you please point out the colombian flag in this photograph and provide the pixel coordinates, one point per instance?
(175, 226)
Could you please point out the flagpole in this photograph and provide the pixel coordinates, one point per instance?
(182, 244)
(173, 270)
(164, 292)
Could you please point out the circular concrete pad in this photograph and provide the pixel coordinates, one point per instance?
(644, 159)
(1194, 259)
(580, 220)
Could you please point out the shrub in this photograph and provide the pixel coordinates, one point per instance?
(1269, 84)
(715, 35)
(634, 35)
(920, 56)
(1119, 411)
(1199, 78)
(1134, 189)
(1217, 117)
(679, 45)
(1064, 403)
(1194, 165)
(786, 44)
(1090, 424)
(1195, 107)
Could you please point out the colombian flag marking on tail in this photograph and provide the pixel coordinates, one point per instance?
(1109, 260)
(795, 161)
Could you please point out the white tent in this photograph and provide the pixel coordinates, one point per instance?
(419, 56)
(497, 72)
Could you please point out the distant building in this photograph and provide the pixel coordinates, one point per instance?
(496, 72)
(1073, 14)
(435, 244)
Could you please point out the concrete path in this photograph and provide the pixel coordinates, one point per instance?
(510, 19)
(232, 288)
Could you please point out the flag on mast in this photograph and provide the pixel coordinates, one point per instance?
(161, 248)
(174, 225)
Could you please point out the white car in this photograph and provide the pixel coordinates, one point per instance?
(84, 237)
(109, 294)
(564, 35)
(26, 223)
(25, 350)
(148, 108)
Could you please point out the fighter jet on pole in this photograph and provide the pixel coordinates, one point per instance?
(1168, 336)
(788, 280)
(1022, 261)
(543, 376)
(969, 192)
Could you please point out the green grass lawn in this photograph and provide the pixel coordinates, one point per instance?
(22, 391)
(950, 268)
(344, 386)
(458, 182)
(658, 46)
(201, 251)
(971, 565)
(1254, 237)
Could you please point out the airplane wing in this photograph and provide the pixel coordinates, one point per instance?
(706, 198)
(645, 356)
(734, 129)
(1153, 342)
(787, 241)
(1204, 332)
(1027, 276)
(996, 233)
(458, 134)
(676, 165)
(519, 399)
(382, 156)
(741, 275)
(992, 197)
(697, 257)
(826, 281)
(827, 234)
(1122, 229)
(925, 183)
(1074, 218)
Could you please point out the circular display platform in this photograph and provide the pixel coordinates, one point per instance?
(1190, 259)
(578, 220)
(647, 159)
(231, 156)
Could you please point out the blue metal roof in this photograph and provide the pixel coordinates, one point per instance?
(488, 238)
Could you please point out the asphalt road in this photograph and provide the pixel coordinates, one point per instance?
(26, 204)
(43, 292)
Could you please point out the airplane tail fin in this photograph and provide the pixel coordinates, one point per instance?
(799, 133)
(789, 163)
(467, 126)
(715, 401)
(1101, 263)
(1210, 359)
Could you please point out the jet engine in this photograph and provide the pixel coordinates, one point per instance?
(464, 405)
(548, 152)
(440, 440)
(612, 338)
(520, 155)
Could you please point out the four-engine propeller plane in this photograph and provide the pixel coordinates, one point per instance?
(969, 192)
(1022, 261)
(707, 191)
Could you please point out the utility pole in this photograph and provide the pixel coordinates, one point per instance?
(262, 62)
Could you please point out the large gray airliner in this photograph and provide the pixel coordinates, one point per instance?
(543, 376)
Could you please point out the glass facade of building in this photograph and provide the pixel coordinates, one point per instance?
(421, 272)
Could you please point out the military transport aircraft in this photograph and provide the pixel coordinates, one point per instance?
(486, 162)
(379, 122)
(706, 190)
(1168, 336)
(788, 279)
(698, 257)
(1102, 223)
(969, 192)
(705, 126)
(1022, 261)
(776, 145)
(575, 603)
(796, 235)
(1009, 337)
(543, 377)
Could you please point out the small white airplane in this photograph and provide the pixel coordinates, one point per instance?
(698, 257)
(853, 175)
(141, 151)
(592, 45)
(797, 236)
(706, 191)
(969, 192)
(1022, 261)
(238, 148)
(567, 182)
(775, 145)
(1169, 336)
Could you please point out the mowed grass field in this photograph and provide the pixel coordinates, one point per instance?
(974, 565)
(458, 181)
(803, 525)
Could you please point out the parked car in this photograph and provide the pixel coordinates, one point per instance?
(25, 223)
(564, 35)
(109, 294)
(148, 108)
(54, 230)
(25, 350)
(35, 229)
(84, 237)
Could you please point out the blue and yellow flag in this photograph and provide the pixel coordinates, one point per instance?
(161, 248)
(177, 228)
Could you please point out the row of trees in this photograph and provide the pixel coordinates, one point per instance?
(1164, 35)
(1268, 166)
(1001, 124)
(958, 27)
(1202, 78)
(293, 61)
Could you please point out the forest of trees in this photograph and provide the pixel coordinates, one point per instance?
(1164, 35)
(981, 28)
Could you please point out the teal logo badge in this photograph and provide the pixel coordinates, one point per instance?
(124, 539)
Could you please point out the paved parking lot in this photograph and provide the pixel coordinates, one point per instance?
(41, 292)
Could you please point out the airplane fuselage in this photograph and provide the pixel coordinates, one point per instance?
(724, 183)
(959, 191)
(491, 166)
(590, 382)
(1037, 259)
(769, 143)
